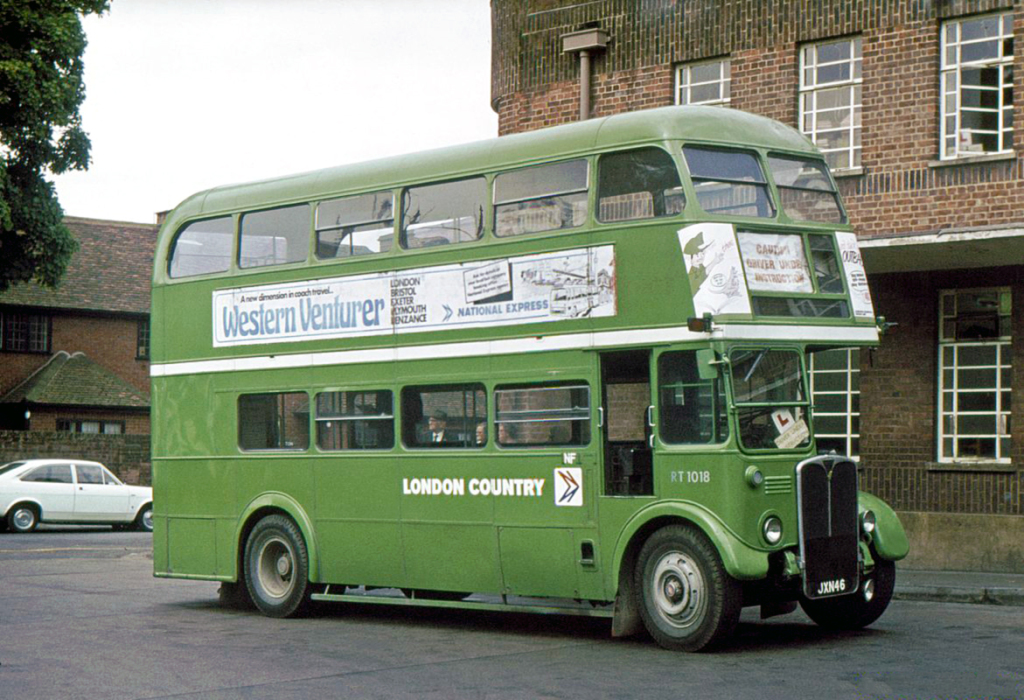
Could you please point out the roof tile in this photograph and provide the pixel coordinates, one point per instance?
(110, 272)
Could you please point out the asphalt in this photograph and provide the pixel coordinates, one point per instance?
(960, 587)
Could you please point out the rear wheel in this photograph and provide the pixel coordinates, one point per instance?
(852, 612)
(687, 600)
(23, 518)
(277, 567)
(144, 520)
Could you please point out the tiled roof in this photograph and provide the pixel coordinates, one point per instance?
(110, 272)
(75, 380)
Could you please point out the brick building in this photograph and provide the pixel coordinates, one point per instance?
(75, 361)
(919, 108)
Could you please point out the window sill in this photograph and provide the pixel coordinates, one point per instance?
(848, 172)
(971, 160)
(975, 467)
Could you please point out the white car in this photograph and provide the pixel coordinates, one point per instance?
(70, 491)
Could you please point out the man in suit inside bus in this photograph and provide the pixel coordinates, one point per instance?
(437, 429)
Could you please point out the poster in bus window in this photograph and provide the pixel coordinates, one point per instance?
(856, 278)
(775, 262)
(713, 268)
(566, 285)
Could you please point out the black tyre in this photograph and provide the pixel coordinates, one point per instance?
(687, 600)
(22, 518)
(144, 520)
(277, 567)
(852, 612)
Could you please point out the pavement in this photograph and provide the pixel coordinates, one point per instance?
(959, 587)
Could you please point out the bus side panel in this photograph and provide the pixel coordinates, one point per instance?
(357, 519)
(451, 557)
(196, 493)
(540, 561)
(192, 546)
(449, 541)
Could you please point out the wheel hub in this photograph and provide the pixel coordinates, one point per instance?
(679, 590)
(23, 518)
(276, 563)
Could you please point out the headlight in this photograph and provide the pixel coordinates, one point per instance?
(772, 530)
(867, 522)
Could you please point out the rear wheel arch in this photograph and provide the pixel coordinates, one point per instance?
(271, 504)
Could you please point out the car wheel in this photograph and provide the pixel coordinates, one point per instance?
(687, 601)
(277, 567)
(852, 612)
(144, 520)
(23, 518)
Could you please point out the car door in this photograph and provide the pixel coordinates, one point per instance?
(51, 486)
(98, 496)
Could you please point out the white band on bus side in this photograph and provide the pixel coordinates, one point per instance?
(513, 346)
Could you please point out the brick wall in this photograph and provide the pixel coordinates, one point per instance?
(109, 342)
(46, 420)
(899, 403)
(125, 455)
(903, 189)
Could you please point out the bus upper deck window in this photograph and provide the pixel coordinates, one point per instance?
(728, 183)
(639, 184)
(541, 198)
(203, 247)
(805, 189)
(449, 212)
(274, 237)
(352, 226)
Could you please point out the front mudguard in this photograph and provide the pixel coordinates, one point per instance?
(889, 538)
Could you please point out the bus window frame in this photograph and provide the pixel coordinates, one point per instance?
(231, 269)
(674, 151)
(316, 420)
(315, 259)
(273, 450)
(494, 202)
(567, 384)
(734, 406)
(759, 157)
(815, 295)
(486, 214)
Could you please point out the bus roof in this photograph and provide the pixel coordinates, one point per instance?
(695, 123)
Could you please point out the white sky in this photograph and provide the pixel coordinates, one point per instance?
(183, 95)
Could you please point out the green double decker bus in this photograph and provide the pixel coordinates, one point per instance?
(562, 371)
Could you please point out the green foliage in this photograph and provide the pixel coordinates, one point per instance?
(41, 89)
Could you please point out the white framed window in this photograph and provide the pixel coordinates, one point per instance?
(974, 375)
(830, 99)
(977, 86)
(703, 83)
(835, 394)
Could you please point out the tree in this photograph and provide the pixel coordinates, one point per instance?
(41, 89)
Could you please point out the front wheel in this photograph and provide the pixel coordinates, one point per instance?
(22, 518)
(852, 612)
(687, 600)
(277, 567)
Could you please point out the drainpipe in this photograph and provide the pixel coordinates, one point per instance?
(585, 42)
